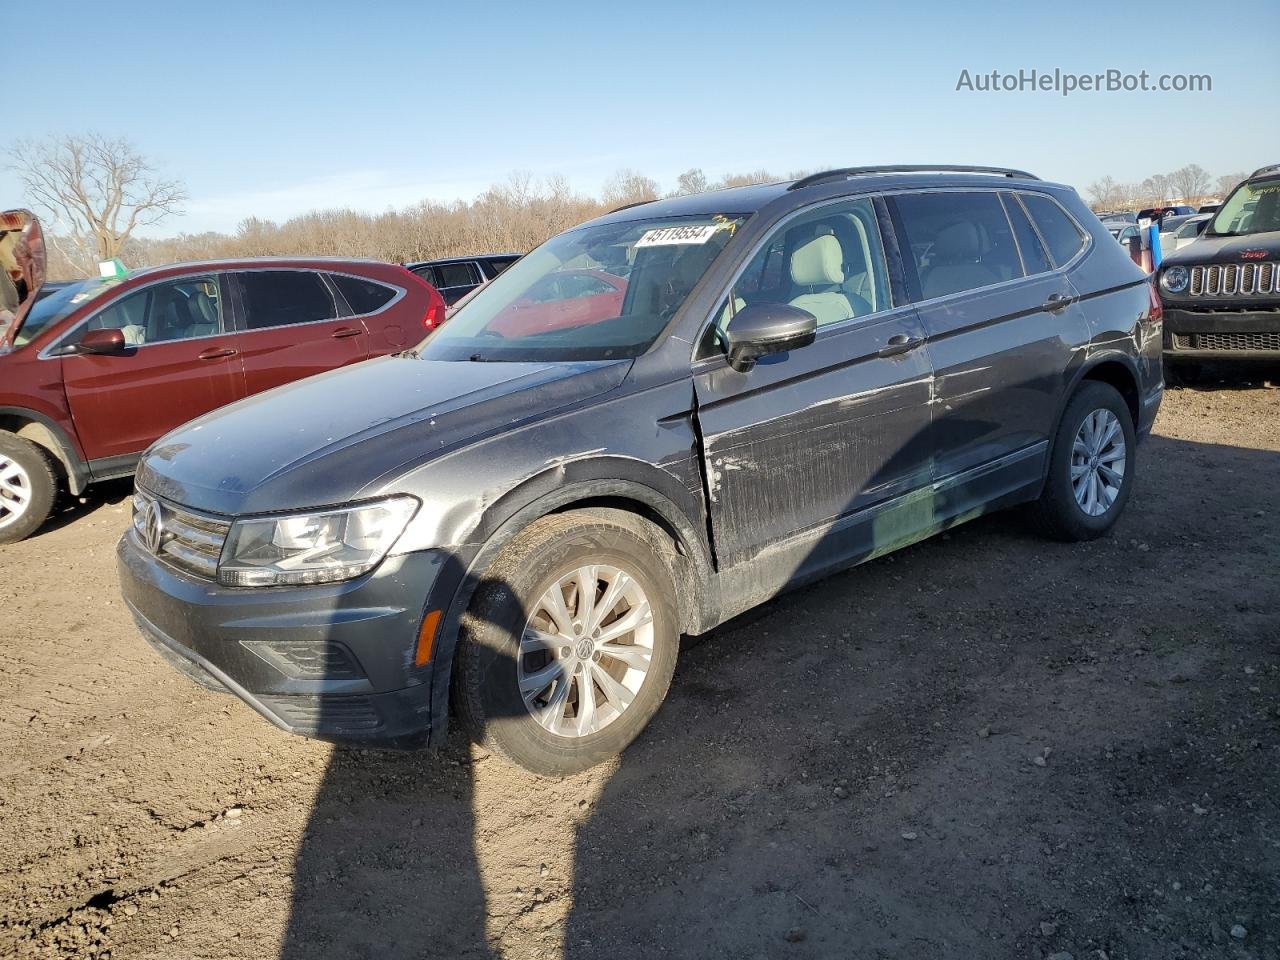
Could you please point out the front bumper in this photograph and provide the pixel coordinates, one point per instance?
(334, 662)
(1221, 334)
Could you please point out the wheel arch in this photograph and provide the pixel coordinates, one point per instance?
(46, 434)
(685, 551)
(1116, 370)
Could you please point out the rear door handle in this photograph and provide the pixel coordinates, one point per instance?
(343, 332)
(1058, 301)
(217, 353)
(900, 343)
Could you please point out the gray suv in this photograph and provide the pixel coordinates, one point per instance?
(517, 520)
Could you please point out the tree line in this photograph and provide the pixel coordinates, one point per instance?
(97, 192)
(1192, 184)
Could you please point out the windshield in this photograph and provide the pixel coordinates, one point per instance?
(1191, 228)
(1252, 208)
(597, 293)
(48, 310)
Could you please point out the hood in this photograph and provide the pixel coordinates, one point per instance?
(1210, 249)
(22, 268)
(324, 440)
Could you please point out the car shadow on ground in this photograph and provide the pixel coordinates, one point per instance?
(985, 745)
(70, 509)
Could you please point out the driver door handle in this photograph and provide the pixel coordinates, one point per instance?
(1058, 301)
(343, 332)
(217, 353)
(900, 343)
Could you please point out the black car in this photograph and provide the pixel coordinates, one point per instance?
(523, 515)
(1222, 293)
(1160, 213)
(457, 276)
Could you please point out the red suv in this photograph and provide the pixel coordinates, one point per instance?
(94, 372)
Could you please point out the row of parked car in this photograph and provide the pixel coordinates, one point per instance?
(650, 424)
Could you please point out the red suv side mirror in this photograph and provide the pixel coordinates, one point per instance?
(102, 341)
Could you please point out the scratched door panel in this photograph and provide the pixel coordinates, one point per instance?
(808, 437)
(999, 358)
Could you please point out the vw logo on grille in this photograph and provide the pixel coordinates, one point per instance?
(153, 527)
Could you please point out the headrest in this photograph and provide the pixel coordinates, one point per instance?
(960, 241)
(818, 262)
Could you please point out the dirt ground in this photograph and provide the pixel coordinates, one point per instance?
(986, 746)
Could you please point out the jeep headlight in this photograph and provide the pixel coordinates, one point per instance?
(321, 547)
(1175, 279)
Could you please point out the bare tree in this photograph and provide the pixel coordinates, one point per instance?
(1190, 182)
(1229, 181)
(691, 181)
(97, 189)
(1106, 194)
(746, 179)
(1155, 189)
(629, 186)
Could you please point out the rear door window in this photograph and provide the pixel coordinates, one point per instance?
(363, 296)
(1034, 257)
(958, 240)
(1060, 233)
(457, 274)
(281, 298)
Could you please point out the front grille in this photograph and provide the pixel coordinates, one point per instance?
(1235, 280)
(190, 541)
(1227, 341)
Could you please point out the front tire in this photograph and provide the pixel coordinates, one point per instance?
(568, 647)
(1091, 468)
(28, 488)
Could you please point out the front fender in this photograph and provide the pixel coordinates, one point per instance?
(562, 487)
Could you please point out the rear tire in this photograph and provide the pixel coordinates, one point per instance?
(560, 685)
(1091, 467)
(28, 488)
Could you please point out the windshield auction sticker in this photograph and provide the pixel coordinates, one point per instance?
(670, 236)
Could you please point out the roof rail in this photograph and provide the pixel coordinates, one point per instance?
(628, 206)
(845, 173)
(1270, 168)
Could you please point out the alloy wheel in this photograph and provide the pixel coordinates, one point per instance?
(585, 650)
(1098, 459)
(15, 491)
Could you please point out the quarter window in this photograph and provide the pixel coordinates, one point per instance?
(281, 298)
(363, 296)
(1061, 235)
(1033, 256)
(164, 312)
(495, 265)
(958, 240)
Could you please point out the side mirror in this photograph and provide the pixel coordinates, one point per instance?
(764, 328)
(102, 342)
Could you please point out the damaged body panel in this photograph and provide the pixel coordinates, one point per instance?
(799, 377)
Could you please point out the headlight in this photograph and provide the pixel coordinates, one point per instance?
(304, 548)
(1175, 279)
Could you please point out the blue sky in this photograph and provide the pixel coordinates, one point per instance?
(271, 109)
